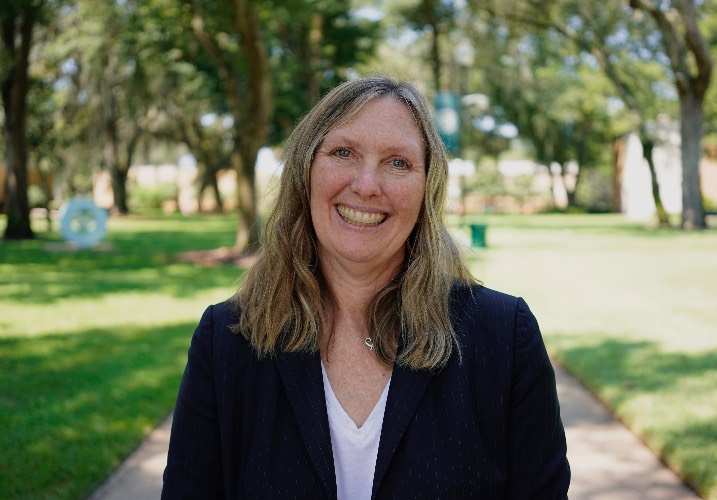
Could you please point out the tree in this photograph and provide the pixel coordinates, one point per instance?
(557, 100)
(101, 92)
(231, 35)
(628, 71)
(18, 18)
(691, 65)
(436, 18)
(624, 43)
(272, 61)
(119, 82)
(313, 45)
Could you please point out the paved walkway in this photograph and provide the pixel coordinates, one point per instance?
(607, 461)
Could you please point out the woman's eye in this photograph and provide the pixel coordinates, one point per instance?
(399, 163)
(342, 153)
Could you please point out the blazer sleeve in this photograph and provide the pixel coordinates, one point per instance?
(194, 468)
(538, 465)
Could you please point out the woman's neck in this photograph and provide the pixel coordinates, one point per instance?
(352, 289)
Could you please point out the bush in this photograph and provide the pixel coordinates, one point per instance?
(36, 197)
(710, 205)
(595, 191)
(151, 198)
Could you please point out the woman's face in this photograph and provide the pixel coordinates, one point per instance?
(368, 179)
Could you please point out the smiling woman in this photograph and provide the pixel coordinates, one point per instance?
(360, 359)
(368, 179)
(368, 151)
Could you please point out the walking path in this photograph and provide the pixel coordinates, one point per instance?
(607, 461)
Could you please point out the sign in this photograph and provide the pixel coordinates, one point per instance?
(448, 119)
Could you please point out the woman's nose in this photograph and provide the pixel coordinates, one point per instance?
(367, 181)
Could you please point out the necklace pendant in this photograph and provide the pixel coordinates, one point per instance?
(369, 343)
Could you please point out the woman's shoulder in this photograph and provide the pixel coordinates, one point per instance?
(481, 314)
(476, 296)
(216, 327)
(219, 318)
(225, 312)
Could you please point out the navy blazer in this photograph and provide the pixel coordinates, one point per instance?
(487, 426)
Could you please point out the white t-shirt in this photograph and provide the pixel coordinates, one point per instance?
(355, 449)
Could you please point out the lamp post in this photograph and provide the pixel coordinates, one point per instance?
(463, 55)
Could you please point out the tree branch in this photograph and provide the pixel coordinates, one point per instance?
(697, 46)
(597, 50)
(675, 49)
(259, 101)
(209, 43)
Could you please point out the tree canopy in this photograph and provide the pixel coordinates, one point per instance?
(88, 86)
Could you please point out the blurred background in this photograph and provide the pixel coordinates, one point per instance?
(583, 138)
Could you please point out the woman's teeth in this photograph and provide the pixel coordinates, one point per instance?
(360, 218)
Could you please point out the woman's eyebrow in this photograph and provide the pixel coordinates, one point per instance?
(395, 147)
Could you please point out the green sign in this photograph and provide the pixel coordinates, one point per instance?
(448, 119)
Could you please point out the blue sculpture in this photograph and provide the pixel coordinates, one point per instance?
(82, 223)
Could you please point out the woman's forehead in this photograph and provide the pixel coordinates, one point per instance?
(381, 121)
(376, 104)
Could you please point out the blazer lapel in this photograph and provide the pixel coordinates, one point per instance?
(301, 376)
(405, 393)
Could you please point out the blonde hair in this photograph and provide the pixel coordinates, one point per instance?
(282, 300)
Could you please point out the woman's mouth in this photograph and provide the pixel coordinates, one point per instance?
(358, 218)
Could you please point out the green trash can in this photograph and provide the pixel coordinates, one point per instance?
(478, 235)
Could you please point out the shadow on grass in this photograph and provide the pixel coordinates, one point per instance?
(598, 224)
(75, 405)
(139, 260)
(679, 421)
(175, 280)
(633, 366)
(688, 445)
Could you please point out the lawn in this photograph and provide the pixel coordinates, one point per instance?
(92, 343)
(632, 313)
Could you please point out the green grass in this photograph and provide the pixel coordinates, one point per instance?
(93, 344)
(632, 312)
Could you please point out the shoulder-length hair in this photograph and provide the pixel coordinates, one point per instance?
(283, 299)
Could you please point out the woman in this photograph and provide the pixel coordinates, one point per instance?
(359, 359)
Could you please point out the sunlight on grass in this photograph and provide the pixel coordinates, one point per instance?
(93, 343)
(143, 309)
(92, 347)
(631, 312)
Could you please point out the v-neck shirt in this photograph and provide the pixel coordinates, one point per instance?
(355, 448)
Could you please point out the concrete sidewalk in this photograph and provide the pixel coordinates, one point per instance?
(607, 461)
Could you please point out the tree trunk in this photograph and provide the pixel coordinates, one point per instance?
(247, 222)
(252, 133)
(314, 44)
(554, 188)
(691, 117)
(118, 174)
(249, 96)
(214, 182)
(209, 179)
(17, 206)
(648, 146)
(14, 88)
(618, 150)
(429, 9)
(691, 65)
(572, 193)
(119, 188)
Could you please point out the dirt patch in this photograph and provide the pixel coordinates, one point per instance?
(219, 256)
